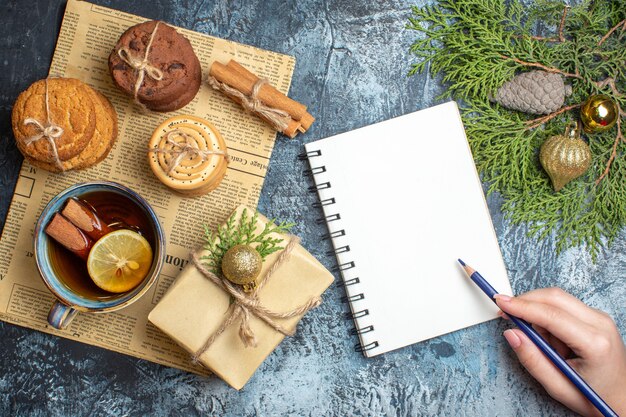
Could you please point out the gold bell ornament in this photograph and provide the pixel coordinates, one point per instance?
(241, 265)
(598, 114)
(565, 157)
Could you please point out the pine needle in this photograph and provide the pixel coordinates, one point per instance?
(242, 232)
(478, 45)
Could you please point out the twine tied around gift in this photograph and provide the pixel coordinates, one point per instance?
(48, 131)
(141, 65)
(181, 150)
(246, 304)
(279, 119)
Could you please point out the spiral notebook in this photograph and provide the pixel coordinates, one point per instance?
(402, 201)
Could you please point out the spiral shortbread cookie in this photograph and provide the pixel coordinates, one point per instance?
(188, 154)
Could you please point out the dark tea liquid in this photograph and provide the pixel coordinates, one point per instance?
(117, 211)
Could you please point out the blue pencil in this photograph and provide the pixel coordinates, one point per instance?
(544, 346)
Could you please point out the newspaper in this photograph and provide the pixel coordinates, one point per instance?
(88, 34)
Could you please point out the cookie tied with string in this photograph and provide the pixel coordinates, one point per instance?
(157, 66)
(58, 103)
(62, 124)
(188, 154)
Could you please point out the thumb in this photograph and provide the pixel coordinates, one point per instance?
(540, 367)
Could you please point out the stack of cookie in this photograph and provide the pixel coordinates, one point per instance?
(62, 124)
(156, 66)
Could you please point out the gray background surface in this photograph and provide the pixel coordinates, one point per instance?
(352, 62)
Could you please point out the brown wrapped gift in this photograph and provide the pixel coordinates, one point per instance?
(194, 308)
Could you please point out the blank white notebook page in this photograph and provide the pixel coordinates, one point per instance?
(409, 202)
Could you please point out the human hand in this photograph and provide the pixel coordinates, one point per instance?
(587, 338)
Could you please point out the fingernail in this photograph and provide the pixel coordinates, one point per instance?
(502, 314)
(513, 340)
(503, 297)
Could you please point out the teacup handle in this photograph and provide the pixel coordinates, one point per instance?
(60, 315)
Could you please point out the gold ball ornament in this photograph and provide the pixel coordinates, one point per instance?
(241, 265)
(598, 114)
(565, 157)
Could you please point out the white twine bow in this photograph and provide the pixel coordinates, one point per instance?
(48, 131)
(141, 65)
(182, 150)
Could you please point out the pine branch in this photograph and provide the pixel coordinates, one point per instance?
(618, 139)
(243, 232)
(531, 124)
(560, 36)
(562, 24)
(613, 29)
(543, 67)
(478, 45)
(610, 81)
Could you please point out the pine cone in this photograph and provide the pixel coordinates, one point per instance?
(534, 92)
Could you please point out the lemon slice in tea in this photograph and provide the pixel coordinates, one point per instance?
(119, 261)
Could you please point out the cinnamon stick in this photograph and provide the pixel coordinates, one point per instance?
(85, 219)
(236, 76)
(274, 98)
(268, 93)
(292, 128)
(70, 236)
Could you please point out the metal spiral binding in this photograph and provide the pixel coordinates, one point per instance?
(352, 298)
(322, 186)
(344, 266)
(344, 284)
(328, 219)
(335, 234)
(323, 203)
(311, 154)
(341, 249)
(351, 316)
(362, 330)
(349, 282)
(311, 172)
(360, 348)
(314, 171)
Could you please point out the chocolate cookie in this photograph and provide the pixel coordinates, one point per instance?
(175, 104)
(69, 107)
(170, 53)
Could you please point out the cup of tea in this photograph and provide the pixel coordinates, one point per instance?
(67, 273)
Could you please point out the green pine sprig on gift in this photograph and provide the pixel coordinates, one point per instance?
(475, 46)
(241, 232)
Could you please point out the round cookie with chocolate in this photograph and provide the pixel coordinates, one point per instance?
(157, 66)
